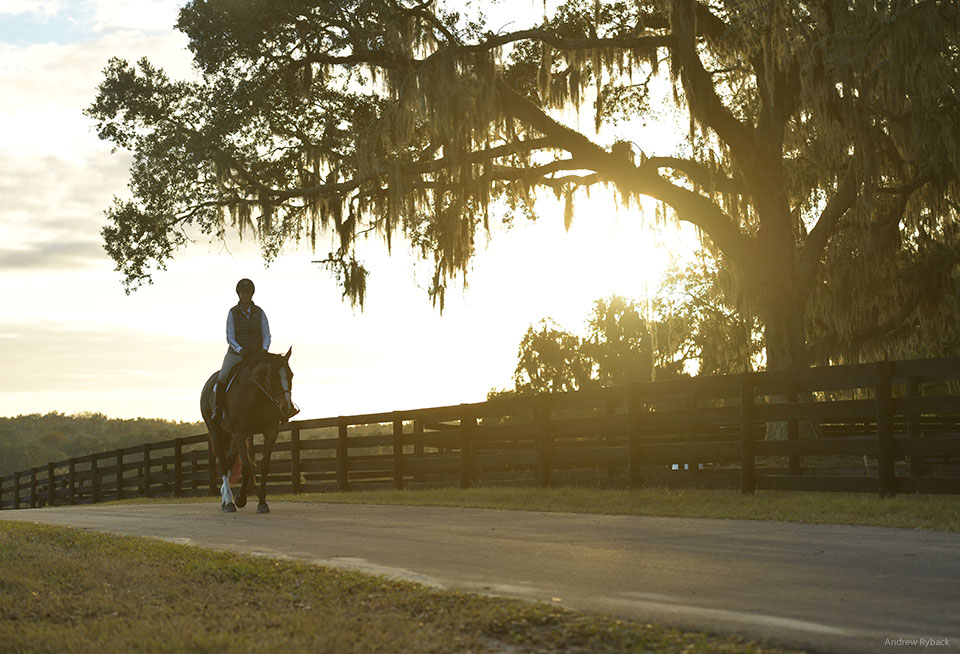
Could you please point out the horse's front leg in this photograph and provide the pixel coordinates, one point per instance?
(269, 438)
(246, 469)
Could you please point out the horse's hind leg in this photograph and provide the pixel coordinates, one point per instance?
(269, 438)
(225, 463)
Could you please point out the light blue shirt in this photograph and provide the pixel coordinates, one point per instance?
(232, 331)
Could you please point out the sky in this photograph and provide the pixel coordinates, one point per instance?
(72, 341)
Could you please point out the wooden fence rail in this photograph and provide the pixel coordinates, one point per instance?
(892, 427)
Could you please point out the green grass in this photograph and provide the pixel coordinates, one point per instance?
(67, 590)
(940, 512)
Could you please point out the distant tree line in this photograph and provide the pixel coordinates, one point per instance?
(33, 440)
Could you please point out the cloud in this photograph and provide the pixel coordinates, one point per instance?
(136, 15)
(51, 255)
(64, 357)
(52, 210)
(47, 86)
(43, 8)
(59, 21)
(118, 371)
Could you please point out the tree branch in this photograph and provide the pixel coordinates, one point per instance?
(816, 241)
(830, 345)
(705, 104)
(629, 178)
(699, 174)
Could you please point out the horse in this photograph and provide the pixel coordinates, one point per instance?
(257, 401)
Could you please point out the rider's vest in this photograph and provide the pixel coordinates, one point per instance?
(247, 330)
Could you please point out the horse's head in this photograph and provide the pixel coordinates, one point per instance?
(280, 382)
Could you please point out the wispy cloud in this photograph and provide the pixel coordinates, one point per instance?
(117, 371)
(41, 8)
(140, 15)
(51, 255)
(64, 22)
(52, 211)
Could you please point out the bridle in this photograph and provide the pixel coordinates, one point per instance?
(274, 397)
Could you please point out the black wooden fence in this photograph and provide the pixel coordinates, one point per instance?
(891, 427)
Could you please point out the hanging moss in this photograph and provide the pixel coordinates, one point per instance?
(370, 118)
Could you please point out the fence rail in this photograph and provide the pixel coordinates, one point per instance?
(891, 427)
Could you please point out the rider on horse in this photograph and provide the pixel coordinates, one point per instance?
(248, 336)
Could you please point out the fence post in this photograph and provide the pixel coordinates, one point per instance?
(418, 449)
(397, 451)
(690, 429)
(635, 415)
(468, 424)
(295, 459)
(342, 464)
(793, 433)
(212, 465)
(72, 474)
(545, 440)
(178, 468)
(913, 427)
(748, 479)
(33, 488)
(51, 485)
(885, 447)
(120, 474)
(146, 470)
(95, 479)
(610, 409)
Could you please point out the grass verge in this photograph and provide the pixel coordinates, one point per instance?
(67, 590)
(941, 512)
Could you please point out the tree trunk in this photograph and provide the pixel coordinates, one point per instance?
(781, 302)
(783, 329)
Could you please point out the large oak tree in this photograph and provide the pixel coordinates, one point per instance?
(820, 161)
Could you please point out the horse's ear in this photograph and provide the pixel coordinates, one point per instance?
(289, 352)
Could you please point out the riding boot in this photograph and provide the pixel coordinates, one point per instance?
(217, 402)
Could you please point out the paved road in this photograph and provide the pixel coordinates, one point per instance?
(821, 587)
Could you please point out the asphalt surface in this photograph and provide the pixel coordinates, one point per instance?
(824, 588)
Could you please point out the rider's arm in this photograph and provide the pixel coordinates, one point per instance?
(265, 330)
(232, 334)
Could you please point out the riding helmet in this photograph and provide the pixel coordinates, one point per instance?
(245, 283)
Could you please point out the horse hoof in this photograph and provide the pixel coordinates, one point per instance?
(229, 508)
(241, 501)
(263, 508)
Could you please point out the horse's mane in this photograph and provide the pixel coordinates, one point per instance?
(265, 359)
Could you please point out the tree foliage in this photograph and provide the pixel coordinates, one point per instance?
(692, 327)
(820, 163)
(698, 320)
(617, 349)
(34, 440)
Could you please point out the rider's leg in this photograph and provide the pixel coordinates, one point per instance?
(230, 360)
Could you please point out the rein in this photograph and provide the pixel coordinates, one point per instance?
(272, 398)
(275, 402)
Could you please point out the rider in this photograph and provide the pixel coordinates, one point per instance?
(248, 335)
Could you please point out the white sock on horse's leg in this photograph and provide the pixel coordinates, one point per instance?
(226, 494)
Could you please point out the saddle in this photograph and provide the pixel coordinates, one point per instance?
(237, 367)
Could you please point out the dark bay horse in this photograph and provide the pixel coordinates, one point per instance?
(257, 401)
